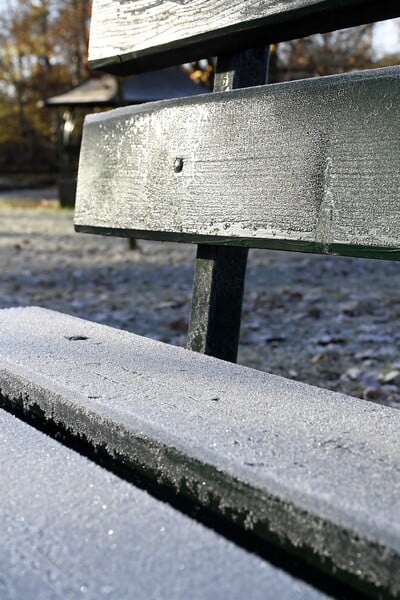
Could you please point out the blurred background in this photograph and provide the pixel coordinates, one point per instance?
(43, 53)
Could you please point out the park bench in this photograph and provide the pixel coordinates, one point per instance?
(276, 488)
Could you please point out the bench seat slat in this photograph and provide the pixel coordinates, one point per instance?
(310, 165)
(313, 470)
(71, 529)
(132, 35)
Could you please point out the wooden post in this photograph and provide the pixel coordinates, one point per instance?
(220, 270)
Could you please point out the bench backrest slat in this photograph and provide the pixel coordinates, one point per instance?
(129, 35)
(310, 165)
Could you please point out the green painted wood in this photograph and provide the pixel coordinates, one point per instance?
(218, 286)
(216, 309)
(129, 35)
(311, 165)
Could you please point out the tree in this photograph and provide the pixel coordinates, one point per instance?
(324, 54)
(70, 35)
(43, 51)
(321, 54)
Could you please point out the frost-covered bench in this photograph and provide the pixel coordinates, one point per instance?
(307, 479)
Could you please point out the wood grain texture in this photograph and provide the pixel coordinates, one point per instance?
(128, 35)
(310, 165)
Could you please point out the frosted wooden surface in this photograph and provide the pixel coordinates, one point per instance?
(130, 34)
(70, 529)
(309, 469)
(310, 165)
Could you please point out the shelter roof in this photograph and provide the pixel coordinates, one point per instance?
(105, 90)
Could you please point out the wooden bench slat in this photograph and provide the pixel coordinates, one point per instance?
(313, 470)
(133, 35)
(310, 165)
(72, 529)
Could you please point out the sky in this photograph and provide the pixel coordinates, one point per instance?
(387, 36)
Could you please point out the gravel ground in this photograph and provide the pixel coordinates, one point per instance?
(329, 321)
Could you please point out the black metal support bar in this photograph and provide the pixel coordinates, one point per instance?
(220, 270)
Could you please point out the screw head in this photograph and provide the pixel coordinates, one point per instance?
(178, 165)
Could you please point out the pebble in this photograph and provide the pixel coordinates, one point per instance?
(353, 373)
(390, 376)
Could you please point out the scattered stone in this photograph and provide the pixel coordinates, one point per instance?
(367, 327)
(326, 339)
(316, 358)
(349, 308)
(389, 376)
(253, 337)
(365, 354)
(353, 373)
(314, 312)
(180, 324)
(376, 338)
(254, 324)
(374, 393)
(275, 337)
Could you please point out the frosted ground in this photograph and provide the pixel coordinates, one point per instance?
(332, 322)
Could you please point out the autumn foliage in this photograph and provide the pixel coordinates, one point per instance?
(43, 51)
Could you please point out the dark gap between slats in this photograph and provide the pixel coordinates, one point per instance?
(281, 558)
